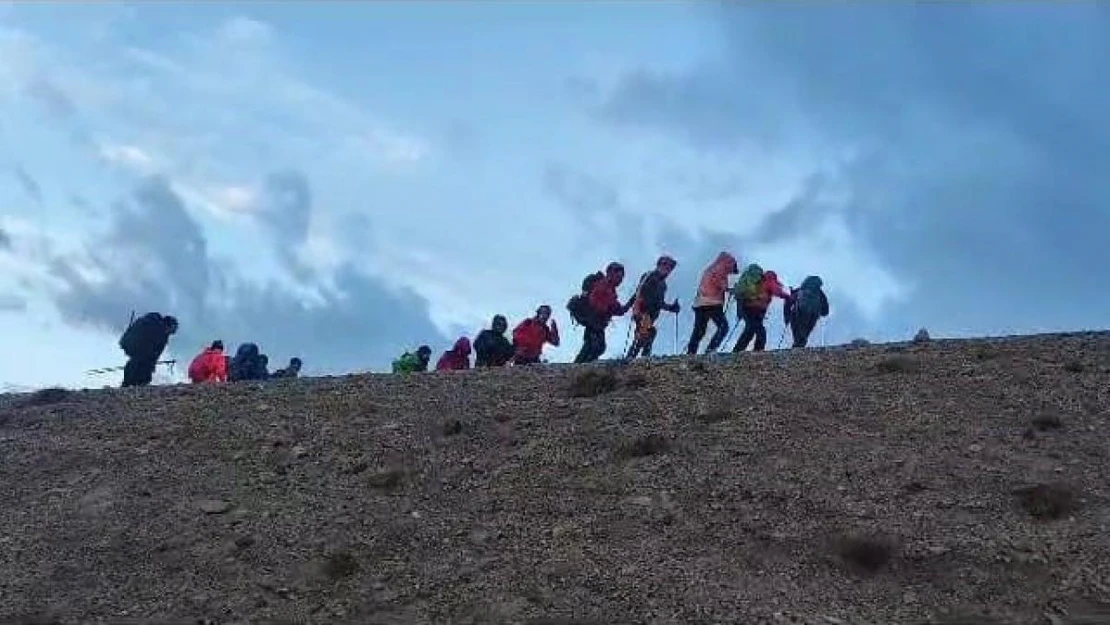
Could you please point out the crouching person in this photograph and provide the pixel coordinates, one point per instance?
(143, 342)
(413, 363)
(209, 365)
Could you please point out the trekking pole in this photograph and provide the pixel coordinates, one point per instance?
(676, 335)
(782, 337)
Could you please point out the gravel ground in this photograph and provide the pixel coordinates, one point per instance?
(947, 482)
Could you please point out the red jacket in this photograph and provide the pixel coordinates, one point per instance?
(531, 334)
(714, 281)
(605, 301)
(209, 366)
(770, 287)
(458, 357)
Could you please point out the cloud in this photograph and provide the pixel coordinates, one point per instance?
(5, 240)
(12, 303)
(29, 185)
(155, 256)
(129, 157)
(965, 142)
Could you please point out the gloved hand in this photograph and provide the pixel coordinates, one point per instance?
(675, 308)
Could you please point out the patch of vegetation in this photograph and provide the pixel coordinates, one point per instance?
(643, 446)
(867, 555)
(985, 353)
(451, 427)
(47, 396)
(715, 415)
(636, 381)
(1075, 366)
(1047, 422)
(592, 383)
(1048, 502)
(339, 565)
(386, 480)
(698, 366)
(898, 364)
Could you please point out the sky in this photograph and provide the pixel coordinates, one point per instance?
(344, 181)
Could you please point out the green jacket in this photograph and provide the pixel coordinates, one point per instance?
(409, 363)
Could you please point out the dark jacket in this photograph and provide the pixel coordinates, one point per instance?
(650, 299)
(247, 364)
(809, 299)
(146, 337)
(492, 349)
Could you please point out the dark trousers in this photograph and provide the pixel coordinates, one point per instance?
(753, 328)
(526, 360)
(702, 316)
(642, 341)
(593, 344)
(139, 371)
(801, 326)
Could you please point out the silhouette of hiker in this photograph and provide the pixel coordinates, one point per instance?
(144, 341)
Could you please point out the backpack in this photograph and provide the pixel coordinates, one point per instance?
(808, 297)
(579, 305)
(747, 288)
(131, 340)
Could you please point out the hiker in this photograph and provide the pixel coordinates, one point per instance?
(530, 335)
(709, 305)
(262, 371)
(492, 348)
(210, 365)
(595, 307)
(807, 305)
(292, 371)
(457, 358)
(144, 341)
(648, 302)
(413, 363)
(247, 364)
(753, 292)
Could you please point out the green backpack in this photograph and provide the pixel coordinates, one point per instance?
(747, 287)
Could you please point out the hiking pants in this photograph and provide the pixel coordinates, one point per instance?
(642, 342)
(753, 327)
(593, 344)
(801, 326)
(525, 360)
(139, 371)
(702, 316)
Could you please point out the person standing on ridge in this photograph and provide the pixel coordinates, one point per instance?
(807, 306)
(596, 307)
(531, 334)
(648, 302)
(710, 303)
(292, 371)
(457, 358)
(492, 348)
(754, 292)
(144, 341)
(210, 365)
(413, 363)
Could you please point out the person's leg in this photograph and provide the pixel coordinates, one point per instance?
(648, 341)
(716, 314)
(129, 376)
(760, 331)
(748, 333)
(803, 327)
(593, 344)
(584, 353)
(701, 320)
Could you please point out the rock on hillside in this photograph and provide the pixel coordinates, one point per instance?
(885, 484)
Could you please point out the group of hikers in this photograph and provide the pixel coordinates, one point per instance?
(594, 307)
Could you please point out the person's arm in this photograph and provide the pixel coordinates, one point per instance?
(824, 304)
(553, 334)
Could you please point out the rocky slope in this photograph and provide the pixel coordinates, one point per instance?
(948, 482)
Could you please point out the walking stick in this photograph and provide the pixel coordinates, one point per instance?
(676, 335)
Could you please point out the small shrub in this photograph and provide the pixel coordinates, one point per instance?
(868, 555)
(697, 366)
(1048, 501)
(1047, 422)
(1075, 366)
(642, 446)
(385, 480)
(593, 383)
(47, 396)
(715, 415)
(339, 565)
(636, 381)
(985, 353)
(451, 427)
(898, 364)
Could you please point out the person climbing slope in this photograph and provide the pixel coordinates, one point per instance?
(292, 371)
(808, 304)
(456, 358)
(210, 365)
(492, 348)
(413, 363)
(596, 307)
(530, 335)
(247, 364)
(754, 292)
(647, 303)
(144, 341)
(710, 303)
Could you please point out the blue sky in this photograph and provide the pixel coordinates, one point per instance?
(341, 181)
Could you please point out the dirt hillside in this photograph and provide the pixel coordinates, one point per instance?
(948, 482)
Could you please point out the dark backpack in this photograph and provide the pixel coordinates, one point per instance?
(808, 297)
(579, 305)
(131, 342)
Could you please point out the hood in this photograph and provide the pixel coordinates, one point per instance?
(462, 346)
(812, 283)
(247, 350)
(770, 276)
(614, 269)
(500, 324)
(725, 263)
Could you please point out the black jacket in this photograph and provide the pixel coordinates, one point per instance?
(146, 338)
(492, 349)
(652, 295)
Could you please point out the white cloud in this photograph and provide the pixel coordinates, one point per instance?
(238, 199)
(130, 157)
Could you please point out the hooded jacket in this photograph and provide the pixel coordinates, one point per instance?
(809, 299)
(713, 287)
(209, 366)
(492, 348)
(457, 358)
(530, 335)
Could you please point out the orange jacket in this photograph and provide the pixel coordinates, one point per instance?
(769, 287)
(714, 281)
(209, 366)
(531, 334)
